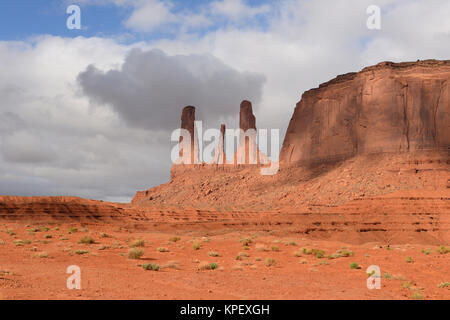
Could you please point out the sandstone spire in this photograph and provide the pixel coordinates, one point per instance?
(188, 137)
(219, 154)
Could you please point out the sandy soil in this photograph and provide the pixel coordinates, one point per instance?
(409, 271)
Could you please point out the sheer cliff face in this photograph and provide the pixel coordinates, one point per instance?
(390, 107)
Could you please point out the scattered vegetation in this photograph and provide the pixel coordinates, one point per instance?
(275, 248)
(86, 240)
(409, 259)
(269, 262)
(417, 296)
(72, 230)
(297, 254)
(343, 253)
(135, 253)
(104, 235)
(151, 266)
(354, 265)
(426, 251)
(21, 243)
(387, 275)
(196, 246)
(213, 254)
(261, 247)
(208, 266)
(137, 243)
(443, 250)
(41, 255)
(246, 242)
(163, 250)
(172, 265)
(406, 285)
(174, 239)
(444, 285)
(315, 252)
(81, 252)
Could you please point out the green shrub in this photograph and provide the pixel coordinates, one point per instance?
(174, 239)
(151, 266)
(81, 252)
(72, 230)
(443, 250)
(275, 248)
(409, 259)
(196, 246)
(163, 250)
(354, 265)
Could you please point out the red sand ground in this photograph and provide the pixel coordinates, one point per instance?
(421, 222)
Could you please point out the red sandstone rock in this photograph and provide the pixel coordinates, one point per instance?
(188, 149)
(390, 107)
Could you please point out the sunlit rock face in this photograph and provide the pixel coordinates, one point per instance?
(389, 107)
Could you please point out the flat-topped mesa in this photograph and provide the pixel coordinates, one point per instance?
(188, 137)
(389, 107)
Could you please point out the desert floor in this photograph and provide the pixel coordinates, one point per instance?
(34, 260)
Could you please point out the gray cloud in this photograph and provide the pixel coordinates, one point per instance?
(150, 88)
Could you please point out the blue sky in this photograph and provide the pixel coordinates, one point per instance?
(21, 19)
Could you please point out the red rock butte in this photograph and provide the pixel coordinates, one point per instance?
(366, 156)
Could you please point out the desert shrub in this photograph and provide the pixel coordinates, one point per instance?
(72, 230)
(41, 255)
(409, 259)
(163, 250)
(406, 285)
(86, 240)
(135, 253)
(274, 248)
(269, 262)
(174, 239)
(81, 252)
(292, 243)
(354, 265)
(208, 266)
(48, 236)
(213, 254)
(426, 251)
(261, 247)
(246, 242)
(297, 254)
(151, 266)
(387, 275)
(444, 285)
(196, 246)
(137, 243)
(315, 252)
(172, 265)
(21, 243)
(443, 250)
(104, 235)
(417, 296)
